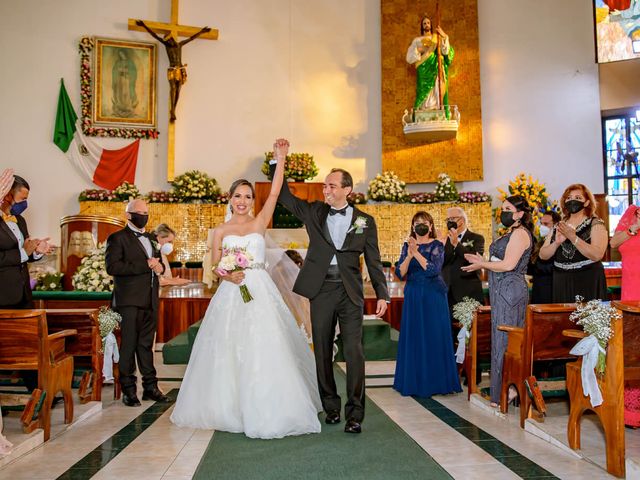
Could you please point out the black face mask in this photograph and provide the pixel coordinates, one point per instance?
(574, 206)
(451, 224)
(421, 229)
(506, 218)
(139, 220)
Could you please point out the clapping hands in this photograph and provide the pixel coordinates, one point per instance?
(475, 262)
(564, 231)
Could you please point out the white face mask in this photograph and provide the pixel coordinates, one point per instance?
(544, 230)
(166, 249)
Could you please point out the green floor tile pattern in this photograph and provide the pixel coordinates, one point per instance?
(510, 458)
(98, 458)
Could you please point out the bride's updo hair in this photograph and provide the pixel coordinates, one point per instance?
(240, 182)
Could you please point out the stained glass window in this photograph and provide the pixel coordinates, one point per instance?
(621, 134)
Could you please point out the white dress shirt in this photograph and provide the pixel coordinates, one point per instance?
(338, 226)
(146, 243)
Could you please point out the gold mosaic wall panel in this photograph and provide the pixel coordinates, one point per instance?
(191, 223)
(393, 221)
(416, 162)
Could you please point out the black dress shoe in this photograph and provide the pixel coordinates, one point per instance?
(352, 426)
(130, 400)
(332, 418)
(155, 395)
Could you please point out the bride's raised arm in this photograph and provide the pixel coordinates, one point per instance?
(280, 150)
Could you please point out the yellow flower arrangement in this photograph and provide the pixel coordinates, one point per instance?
(534, 192)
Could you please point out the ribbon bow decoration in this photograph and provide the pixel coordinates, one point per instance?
(462, 344)
(589, 348)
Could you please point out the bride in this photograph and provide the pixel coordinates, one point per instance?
(251, 369)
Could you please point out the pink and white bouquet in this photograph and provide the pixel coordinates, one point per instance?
(233, 260)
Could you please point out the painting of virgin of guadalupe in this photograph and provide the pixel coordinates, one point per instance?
(125, 83)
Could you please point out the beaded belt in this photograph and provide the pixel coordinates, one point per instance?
(573, 266)
(258, 266)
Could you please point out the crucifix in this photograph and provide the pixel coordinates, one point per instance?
(177, 71)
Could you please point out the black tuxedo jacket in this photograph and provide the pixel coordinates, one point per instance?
(135, 285)
(14, 277)
(462, 284)
(321, 250)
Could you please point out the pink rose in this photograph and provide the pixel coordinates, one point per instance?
(241, 260)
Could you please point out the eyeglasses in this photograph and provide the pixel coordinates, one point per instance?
(453, 219)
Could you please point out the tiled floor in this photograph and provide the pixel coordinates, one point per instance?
(467, 439)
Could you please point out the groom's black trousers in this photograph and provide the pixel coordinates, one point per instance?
(331, 305)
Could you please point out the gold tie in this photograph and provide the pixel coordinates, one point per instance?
(9, 218)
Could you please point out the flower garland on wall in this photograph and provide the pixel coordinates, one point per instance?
(85, 48)
(297, 166)
(190, 187)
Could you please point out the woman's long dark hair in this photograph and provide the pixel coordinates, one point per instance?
(422, 215)
(522, 206)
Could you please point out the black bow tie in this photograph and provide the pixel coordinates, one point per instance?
(342, 211)
(138, 234)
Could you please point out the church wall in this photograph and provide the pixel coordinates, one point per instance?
(306, 70)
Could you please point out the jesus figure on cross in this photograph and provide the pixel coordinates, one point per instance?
(177, 72)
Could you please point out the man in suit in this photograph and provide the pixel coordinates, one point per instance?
(330, 278)
(16, 246)
(133, 259)
(461, 240)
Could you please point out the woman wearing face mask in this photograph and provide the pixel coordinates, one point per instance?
(165, 236)
(541, 271)
(508, 289)
(577, 245)
(425, 362)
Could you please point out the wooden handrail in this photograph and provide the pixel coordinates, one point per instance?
(575, 333)
(509, 328)
(63, 333)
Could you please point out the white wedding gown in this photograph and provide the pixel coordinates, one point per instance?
(251, 369)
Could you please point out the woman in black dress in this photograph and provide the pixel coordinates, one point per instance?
(577, 245)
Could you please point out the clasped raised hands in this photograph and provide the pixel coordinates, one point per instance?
(280, 149)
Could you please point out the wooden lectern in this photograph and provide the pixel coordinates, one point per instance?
(79, 234)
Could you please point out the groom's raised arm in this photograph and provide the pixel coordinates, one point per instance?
(300, 208)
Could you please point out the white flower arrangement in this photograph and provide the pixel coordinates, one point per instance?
(126, 191)
(595, 318)
(463, 312)
(108, 321)
(195, 185)
(446, 189)
(468, 244)
(91, 275)
(387, 186)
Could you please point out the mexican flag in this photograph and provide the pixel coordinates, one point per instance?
(105, 168)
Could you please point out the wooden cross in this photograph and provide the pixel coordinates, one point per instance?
(177, 73)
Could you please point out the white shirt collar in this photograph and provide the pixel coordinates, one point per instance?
(134, 228)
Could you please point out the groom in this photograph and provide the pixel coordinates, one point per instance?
(330, 278)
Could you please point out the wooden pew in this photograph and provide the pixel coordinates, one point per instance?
(85, 347)
(26, 344)
(623, 364)
(540, 339)
(479, 347)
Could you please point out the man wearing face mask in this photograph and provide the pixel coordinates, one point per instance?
(541, 271)
(133, 259)
(460, 241)
(16, 247)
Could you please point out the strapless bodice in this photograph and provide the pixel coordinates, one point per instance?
(252, 243)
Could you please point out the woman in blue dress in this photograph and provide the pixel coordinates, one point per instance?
(425, 363)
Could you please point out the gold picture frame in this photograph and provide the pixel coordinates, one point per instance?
(124, 84)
